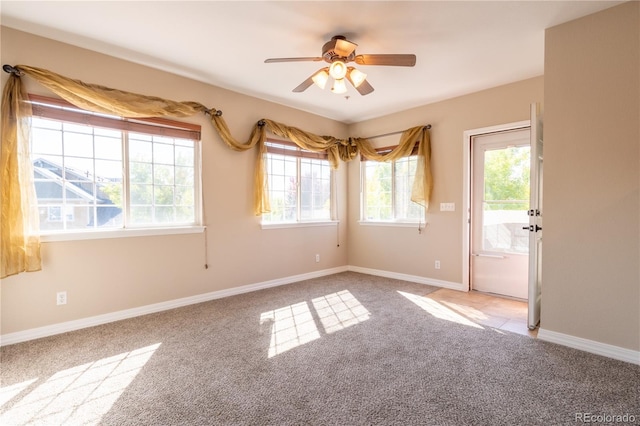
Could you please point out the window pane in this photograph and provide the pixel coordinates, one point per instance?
(185, 214)
(184, 196)
(162, 153)
(140, 150)
(405, 209)
(140, 172)
(141, 194)
(50, 217)
(82, 218)
(45, 141)
(506, 194)
(377, 191)
(109, 148)
(163, 195)
(163, 175)
(283, 188)
(184, 176)
(184, 156)
(78, 145)
(78, 168)
(315, 190)
(164, 214)
(141, 215)
(109, 216)
(108, 170)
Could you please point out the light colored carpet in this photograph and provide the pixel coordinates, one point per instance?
(347, 349)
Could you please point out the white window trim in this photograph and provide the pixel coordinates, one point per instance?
(394, 223)
(309, 224)
(101, 234)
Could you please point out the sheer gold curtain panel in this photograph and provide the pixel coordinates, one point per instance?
(19, 240)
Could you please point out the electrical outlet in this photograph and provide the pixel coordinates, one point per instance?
(61, 298)
(437, 264)
(317, 258)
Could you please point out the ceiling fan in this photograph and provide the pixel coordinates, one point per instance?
(338, 52)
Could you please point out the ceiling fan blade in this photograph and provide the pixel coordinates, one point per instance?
(304, 85)
(344, 47)
(365, 88)
(304, 59)
(308, 82)
(391, 60)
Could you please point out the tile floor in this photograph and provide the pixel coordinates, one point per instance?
(486, 310)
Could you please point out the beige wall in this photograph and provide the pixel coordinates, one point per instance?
(591, 275)
(103, 276)
(404, 250)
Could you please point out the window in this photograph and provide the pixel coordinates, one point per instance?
(386, 191)
(299, 184)
(98, 172)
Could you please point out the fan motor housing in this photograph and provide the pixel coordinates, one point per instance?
(329, 51)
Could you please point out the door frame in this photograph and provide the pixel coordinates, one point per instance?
(466, 189)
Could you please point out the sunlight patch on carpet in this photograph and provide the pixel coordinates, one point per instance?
(78, 395)
(439, 310)
(292, 326)
(339, 310)
(7, 393)
(295, 325)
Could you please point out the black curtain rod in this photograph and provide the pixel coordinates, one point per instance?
(428, 126)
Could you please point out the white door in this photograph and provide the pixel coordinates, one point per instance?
(535, 219)
(499, 212)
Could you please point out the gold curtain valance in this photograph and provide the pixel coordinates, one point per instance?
(16, 167)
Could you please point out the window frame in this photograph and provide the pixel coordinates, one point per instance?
(60, 110)
(397, 222)
(299, 154)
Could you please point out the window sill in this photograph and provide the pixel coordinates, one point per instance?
(392, 224)
(298, 224)
(120, 233)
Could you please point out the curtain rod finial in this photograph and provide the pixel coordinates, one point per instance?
(11, 69)
(213, 112)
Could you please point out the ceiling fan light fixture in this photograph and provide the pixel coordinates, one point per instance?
(356, 77)
(338, 70)
(320, 78)
(339, 86)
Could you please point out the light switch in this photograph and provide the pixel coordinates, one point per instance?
(447, 207)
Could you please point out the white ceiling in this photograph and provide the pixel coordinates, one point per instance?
(461, 46)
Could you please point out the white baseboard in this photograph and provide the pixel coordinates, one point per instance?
(604, 349)
(63, 327)
(411, 278)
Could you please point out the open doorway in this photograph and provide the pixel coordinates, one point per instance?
(510, 135)
(499, 221)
